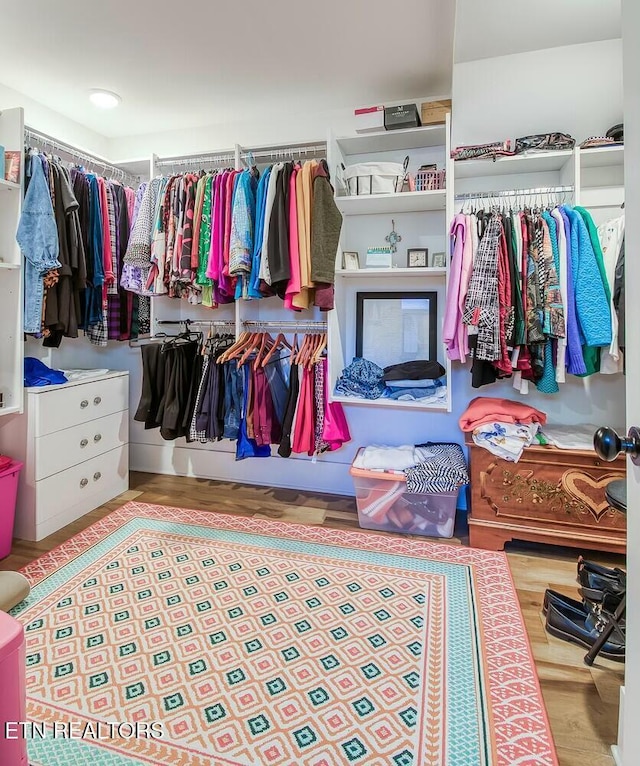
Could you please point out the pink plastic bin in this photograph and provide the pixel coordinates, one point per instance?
(13, 748)
(8, 494)
(384, 504)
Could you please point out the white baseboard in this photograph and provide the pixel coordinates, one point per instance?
(321, 475)
(615, 752)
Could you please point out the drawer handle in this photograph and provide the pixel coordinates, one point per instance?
(96, 475)
(83, 483)
(84, 403)
(97, 438)
(97, 400)
(84, 442)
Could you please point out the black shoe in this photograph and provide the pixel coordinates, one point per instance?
(567, 623)
(599, 578)
(552, 596)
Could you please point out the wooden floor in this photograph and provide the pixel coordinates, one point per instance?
(582, 702)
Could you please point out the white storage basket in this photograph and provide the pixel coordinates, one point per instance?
(374, 178)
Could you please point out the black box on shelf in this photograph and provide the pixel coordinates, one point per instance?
(405, 116)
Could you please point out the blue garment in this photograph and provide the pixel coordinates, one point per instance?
(362, 379)
(37, 237)
(574, 357)
(547, 383)
(232, 400)
(36, 373)
(417, 392)
(592, 306)
(245, 446)
(253, 289)
(93, 294)
(278, 386)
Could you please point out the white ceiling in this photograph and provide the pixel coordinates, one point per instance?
(184, 64)
(486, 28)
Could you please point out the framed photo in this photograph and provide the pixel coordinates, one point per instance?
(438, 261)
(417, 258)
(350, 260)
(396, 327)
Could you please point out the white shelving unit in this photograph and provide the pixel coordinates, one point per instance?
(392, 140)
(421, 218)
(412, 273)
(11, 273)
(379, 204)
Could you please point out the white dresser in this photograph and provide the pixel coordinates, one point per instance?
(74, 441)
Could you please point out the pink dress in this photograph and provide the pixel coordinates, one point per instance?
(336, 429)
(293, 288)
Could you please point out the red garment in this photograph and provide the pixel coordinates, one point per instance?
(503, 364)
(485, 409)
(107, 247)
(304, 439)
(266, 428)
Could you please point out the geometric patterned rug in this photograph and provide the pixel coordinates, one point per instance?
(187, 638)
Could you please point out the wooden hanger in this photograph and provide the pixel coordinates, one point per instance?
(315, 358)
(236, 348)
(279, 341)
(265, 345)
(252, 347)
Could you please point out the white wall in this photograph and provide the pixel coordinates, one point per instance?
(52, 123)
(290, 126)
(575, 89)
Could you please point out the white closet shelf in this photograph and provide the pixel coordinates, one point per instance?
(602, 156)
(9, 185)
(402, 202)
(364, 273)
(522, 163)
(9, 266)
(440, 406)
(390, 140)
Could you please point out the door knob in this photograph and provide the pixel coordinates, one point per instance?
(609, 445)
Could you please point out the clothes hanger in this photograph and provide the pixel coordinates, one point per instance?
(319, 349)
(265, 345)
(298, 355)
(235, 348)
(280, 340)
(253, 346)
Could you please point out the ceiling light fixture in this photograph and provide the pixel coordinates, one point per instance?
(104, 99)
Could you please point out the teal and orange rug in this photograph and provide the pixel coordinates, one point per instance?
(183, 638)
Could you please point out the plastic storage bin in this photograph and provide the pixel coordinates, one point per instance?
(8, 494)
(13, 700)
(384, 504)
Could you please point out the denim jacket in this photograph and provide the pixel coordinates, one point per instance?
(38, 239)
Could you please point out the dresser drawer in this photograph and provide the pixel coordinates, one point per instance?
(80, 485)
(67, 407)
(63, 449)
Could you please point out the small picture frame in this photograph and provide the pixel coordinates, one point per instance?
(350, 260)
(417, 257)
(438, 261)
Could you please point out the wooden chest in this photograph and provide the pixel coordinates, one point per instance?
(550, 496)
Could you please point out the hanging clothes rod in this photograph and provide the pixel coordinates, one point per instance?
(227, 157)
(304, 150)
(44, 141)
(293, 326)
(198, 322)
(516, 192)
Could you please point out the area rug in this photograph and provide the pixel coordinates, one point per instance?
(173, 637)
